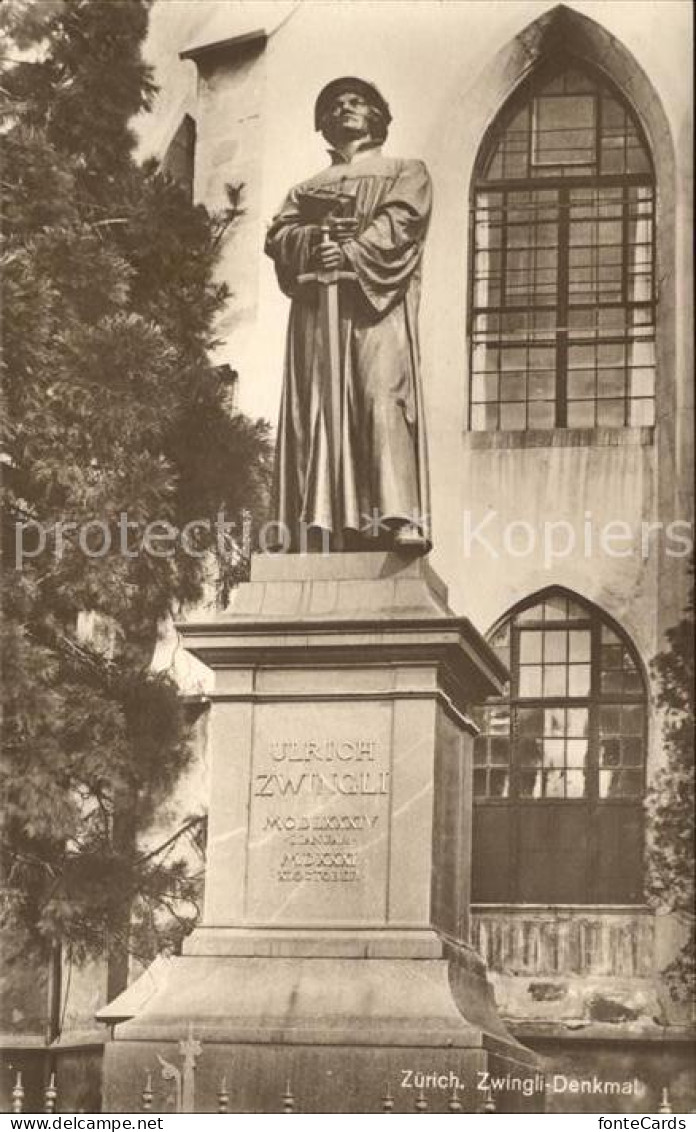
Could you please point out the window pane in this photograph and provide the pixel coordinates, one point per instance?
(609, 783)
(612, 656)
(641, 382)
(485, 387)
(610, 752)
(542, 385)
(620, 783)
(529, 784)
(531, 721)
(576, 753)
(581, 414)
(611, 383)
(632, 750)
(632, 720)
(484, 358)
(555, 609)
(498, 783)
(554, 721)
(530, 681)
(484, 417)
(554, 784)
(555, 646)
(642, 413)
(513, 416)
(513, 360)
(582, 383)
(531, 613)
(564, 130)
(579, 680)
(555, 683)
(633, 685)
(576, 612)
(541, 414)
(499, 751)
(611, 413)
(499, 720)
(578, 720)
(530, 752)
(513, 386)
(575, 784)
(610, 720)
(530, 647)
(612, 682)
(579, 645)
(554, 752)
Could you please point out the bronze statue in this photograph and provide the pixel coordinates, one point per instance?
(347, 246)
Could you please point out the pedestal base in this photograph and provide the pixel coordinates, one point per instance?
(332, 954)
(328, 1079)
(342, 1031)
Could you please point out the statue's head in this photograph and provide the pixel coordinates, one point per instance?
(351, 108)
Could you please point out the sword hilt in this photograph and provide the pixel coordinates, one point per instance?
(326, 277)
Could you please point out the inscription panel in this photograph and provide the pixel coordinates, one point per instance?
(319, 813)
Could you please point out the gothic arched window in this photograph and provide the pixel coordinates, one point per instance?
(559, 766)
(562, 319)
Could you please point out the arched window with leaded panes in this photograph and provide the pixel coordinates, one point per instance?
(559, 765)
(562, 318)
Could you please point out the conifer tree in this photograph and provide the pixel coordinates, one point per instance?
(114, 415)
(671, 800)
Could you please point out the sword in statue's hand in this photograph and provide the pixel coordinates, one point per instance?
(328, 282)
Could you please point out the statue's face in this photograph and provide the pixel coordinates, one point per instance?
(348, 117)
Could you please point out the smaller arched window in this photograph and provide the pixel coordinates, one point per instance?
(559, 766)
(562, 288)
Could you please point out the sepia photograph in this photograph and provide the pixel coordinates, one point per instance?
(347, 560)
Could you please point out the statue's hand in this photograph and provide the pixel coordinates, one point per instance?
(329, 255)
(343, 228)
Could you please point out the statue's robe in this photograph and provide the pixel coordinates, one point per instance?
(384, 472)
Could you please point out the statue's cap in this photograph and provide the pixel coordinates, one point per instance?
(349, 82)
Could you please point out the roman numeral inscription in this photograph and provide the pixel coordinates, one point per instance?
(321, 847)
(319, 796)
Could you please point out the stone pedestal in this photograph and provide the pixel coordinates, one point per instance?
(333, 951)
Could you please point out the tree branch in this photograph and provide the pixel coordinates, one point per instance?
(190, 824)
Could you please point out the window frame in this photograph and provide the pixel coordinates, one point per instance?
(559, 339)
(595, 814)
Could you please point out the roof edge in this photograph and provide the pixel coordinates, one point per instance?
(205, 51)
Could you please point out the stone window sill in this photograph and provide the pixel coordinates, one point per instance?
(564, 909)
(561, 438)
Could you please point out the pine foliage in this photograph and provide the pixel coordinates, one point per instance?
(113, 415)
(670, 801)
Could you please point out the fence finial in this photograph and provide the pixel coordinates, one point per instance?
(223, 1096)
(455, 1105)
(18, 1094)
(50, 1095)
(147, 1094)
(288, 1099)
(421, 1102)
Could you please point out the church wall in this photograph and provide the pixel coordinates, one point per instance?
(446, 77)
